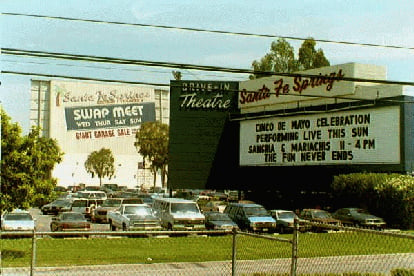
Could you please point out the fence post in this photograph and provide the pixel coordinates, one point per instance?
(33, 262)
(233, 257)
(295, 247)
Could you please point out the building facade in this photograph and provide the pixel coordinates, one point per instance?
(84, 117)
(285, 137)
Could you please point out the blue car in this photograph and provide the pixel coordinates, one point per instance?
(251, 217)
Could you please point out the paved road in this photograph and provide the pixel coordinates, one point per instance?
(368, 263)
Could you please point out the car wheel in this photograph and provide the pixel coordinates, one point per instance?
(282, 230)
(111, 226)
(124, 228)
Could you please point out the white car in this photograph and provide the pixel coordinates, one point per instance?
(18, 220)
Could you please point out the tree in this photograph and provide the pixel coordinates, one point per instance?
(26, 166)
(373, 191)
(177, 75)
(309, 57)
(281, 58)
(152, 143)
(101, 163)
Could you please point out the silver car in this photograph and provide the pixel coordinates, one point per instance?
(18, 220)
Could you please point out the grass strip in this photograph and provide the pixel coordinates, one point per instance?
(69, 252)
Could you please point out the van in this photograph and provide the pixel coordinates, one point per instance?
(178, 214)
(86, 206)
(251, 217)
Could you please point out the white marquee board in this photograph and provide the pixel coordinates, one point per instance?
(365, 136)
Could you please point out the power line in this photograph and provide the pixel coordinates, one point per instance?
(88, 58)
(111, 68)
(206, 30)
(82, 78)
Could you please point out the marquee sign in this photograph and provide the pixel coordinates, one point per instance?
(369, 136)
(108, 116)
(275, 90)
(206, 95)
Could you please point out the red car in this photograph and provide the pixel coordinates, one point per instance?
(70, 221)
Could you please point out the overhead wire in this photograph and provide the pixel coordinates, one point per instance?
(192, 29)
(89, 58)
(81, 78)
(112, 68)
(99, 59)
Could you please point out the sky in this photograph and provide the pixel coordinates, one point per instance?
(370, 21)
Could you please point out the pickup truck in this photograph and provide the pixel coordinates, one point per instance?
(133, 217)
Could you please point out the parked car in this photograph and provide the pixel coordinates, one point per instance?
(92, 194)
(253, 217)
(57, 206)
(359, 218)
(100, 214)
(285, 221)
(219, 221)
(92, 188)
(215, 205)
(86, 206)
(70, 221)
(146, 198)
(179, 214)
(133, 217)
(319, 216)
(18, 220)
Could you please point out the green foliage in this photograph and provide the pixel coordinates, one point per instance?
(402, 272)
(373, 191)
(152, 143)
(101, 163)
(309, 57)
(26, 165)
(281, 58)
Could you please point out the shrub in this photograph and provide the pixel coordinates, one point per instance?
(373, 191)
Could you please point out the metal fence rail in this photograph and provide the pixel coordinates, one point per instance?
(336, 250)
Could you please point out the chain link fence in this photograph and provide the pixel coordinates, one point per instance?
(332, 251)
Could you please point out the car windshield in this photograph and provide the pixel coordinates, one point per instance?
(322, 214)
(80, 203)
(132, 201)
(92, 188)
(137, 210)
(286, 215)
(361, 211)
(219, 217)
(100, 195)
(111, 203)
(23, 216)
(60, 202)
(72, 216)
(256, 211)
(184, 208)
